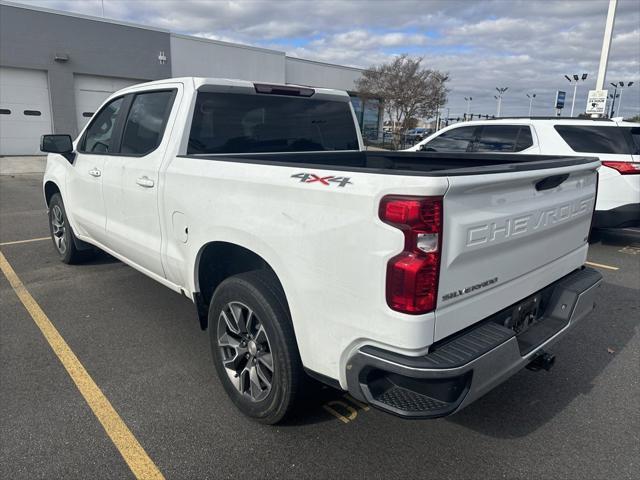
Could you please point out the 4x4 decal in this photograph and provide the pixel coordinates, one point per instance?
(328, 180)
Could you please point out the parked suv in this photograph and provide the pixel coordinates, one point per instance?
(615, 142)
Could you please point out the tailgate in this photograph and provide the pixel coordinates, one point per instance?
(507, 235)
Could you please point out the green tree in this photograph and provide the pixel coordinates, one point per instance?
(407, 89)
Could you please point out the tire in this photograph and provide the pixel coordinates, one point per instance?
(238, 341)
(62, 235)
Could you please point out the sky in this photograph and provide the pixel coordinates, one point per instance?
(525, 45)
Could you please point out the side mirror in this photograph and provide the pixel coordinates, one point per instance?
(61, 144)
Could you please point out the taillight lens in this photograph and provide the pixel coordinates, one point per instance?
(624, 168)
(412, 275)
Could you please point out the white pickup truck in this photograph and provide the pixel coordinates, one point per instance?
(416, 281)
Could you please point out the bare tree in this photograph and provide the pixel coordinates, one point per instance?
(407, 90)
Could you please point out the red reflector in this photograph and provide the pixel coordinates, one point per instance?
(624, 168)
(412, 276)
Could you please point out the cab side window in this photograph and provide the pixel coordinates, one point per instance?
(99, 135)
(146, 121)
(454, 140)
(503, 138)
(595, 139)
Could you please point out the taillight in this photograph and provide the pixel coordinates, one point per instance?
(624, 168)
(412, 275)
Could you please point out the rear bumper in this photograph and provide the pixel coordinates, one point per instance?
(623, 216)
(462, 368)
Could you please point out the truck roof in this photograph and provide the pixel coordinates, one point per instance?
(225, 84)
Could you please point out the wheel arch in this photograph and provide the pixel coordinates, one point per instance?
(50, 189)
(219, 260)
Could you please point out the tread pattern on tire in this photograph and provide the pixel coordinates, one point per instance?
(266, 284)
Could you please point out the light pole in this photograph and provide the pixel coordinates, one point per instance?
(501, 91)
(621, 85)
(531, 97)
(575, 87)
(606, 44)
(468, 100)
(615, 95)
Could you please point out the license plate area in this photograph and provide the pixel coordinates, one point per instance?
(525, 314)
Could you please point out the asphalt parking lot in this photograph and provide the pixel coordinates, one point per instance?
(142, 346)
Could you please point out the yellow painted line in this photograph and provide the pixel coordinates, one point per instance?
(353, 413)
(600, 265)
(139, 462)
(363, 406)
(25, 241)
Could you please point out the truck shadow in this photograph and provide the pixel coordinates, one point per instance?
(529, 400)
(101, 258)
(615, 236)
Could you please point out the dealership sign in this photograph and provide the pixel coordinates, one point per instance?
(560, 96)
(596, 102)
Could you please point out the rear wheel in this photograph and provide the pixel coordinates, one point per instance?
(253, 345)
(62, 235)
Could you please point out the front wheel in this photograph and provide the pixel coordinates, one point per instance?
(62, 235)
(254, 348)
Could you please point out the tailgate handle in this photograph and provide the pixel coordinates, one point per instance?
(551, 182)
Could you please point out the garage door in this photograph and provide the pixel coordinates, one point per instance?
(25, 111)
(91, 91)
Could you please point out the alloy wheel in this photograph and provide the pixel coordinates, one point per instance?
(58, 229)
(245, 351)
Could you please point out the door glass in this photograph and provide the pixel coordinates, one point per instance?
(497, 138)
(525, 139)
(145, 123)
(455, 140)
(99, 134)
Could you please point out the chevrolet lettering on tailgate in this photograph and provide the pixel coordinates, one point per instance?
(531, 222)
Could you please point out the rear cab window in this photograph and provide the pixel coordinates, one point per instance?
(254, 123)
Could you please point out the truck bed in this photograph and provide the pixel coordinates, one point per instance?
(404, 163)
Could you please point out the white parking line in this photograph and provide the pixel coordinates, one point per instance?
(16, 242)
(600, 265)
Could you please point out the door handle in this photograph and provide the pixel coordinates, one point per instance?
(145, 181)
(94, 172)
(551, 182)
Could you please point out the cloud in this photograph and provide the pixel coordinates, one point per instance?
(527, 45)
